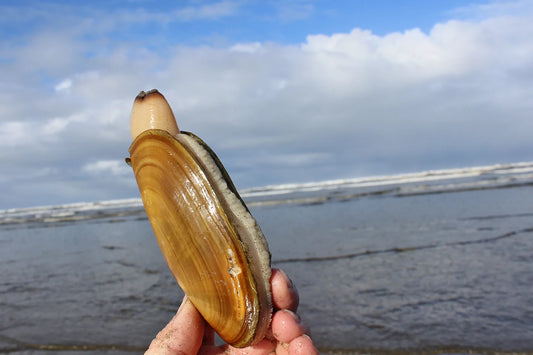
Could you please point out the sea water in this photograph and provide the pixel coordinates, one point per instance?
(433, 262)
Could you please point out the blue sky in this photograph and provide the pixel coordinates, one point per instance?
(284, 91)
(226, 22)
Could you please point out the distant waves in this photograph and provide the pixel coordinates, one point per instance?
(426, 182)
(69, 213)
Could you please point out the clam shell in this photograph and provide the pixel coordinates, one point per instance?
(211, 242)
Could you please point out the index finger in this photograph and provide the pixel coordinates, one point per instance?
(284, 293)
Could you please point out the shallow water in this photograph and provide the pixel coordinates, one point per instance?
(432, 271)
(448, 272)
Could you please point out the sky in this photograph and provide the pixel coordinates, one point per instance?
(284, 91)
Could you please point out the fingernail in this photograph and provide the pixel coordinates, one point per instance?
(295, 315)
(308, 337)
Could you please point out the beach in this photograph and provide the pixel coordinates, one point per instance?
(427, 263)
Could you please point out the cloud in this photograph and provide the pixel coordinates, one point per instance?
(55, 126)
(124, 15)
(64, 85)
(337, 105)
(292, 11)
(246, 47)
(13, 133)
(108, 167)
(498, 8)
(208, 11)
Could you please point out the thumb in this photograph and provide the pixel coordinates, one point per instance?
(183, 334)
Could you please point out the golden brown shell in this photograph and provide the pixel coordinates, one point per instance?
(212, 244)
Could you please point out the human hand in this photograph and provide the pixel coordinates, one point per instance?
(188, 333)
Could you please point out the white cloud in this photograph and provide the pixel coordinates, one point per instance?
(144, 15)
(55, 126)
(106, 18)
(13, 133)
(64, 85)
(107, 167)
(290, 11)
(495, 8)
(246, 47)
(208, 11)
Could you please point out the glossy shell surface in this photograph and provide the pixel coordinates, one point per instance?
(212, 244)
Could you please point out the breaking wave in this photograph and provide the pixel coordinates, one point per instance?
(426, 182)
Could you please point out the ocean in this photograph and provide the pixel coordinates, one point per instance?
(436, 262)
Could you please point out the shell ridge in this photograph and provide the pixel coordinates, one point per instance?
(241, 213)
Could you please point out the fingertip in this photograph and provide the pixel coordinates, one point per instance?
(284, 293)
(302, 345)
(183, 334)
(188, 310)
(286, 326)
(183, 304)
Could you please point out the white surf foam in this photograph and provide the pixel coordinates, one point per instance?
(411, 183)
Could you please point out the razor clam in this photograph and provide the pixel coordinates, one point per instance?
(211, 242)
